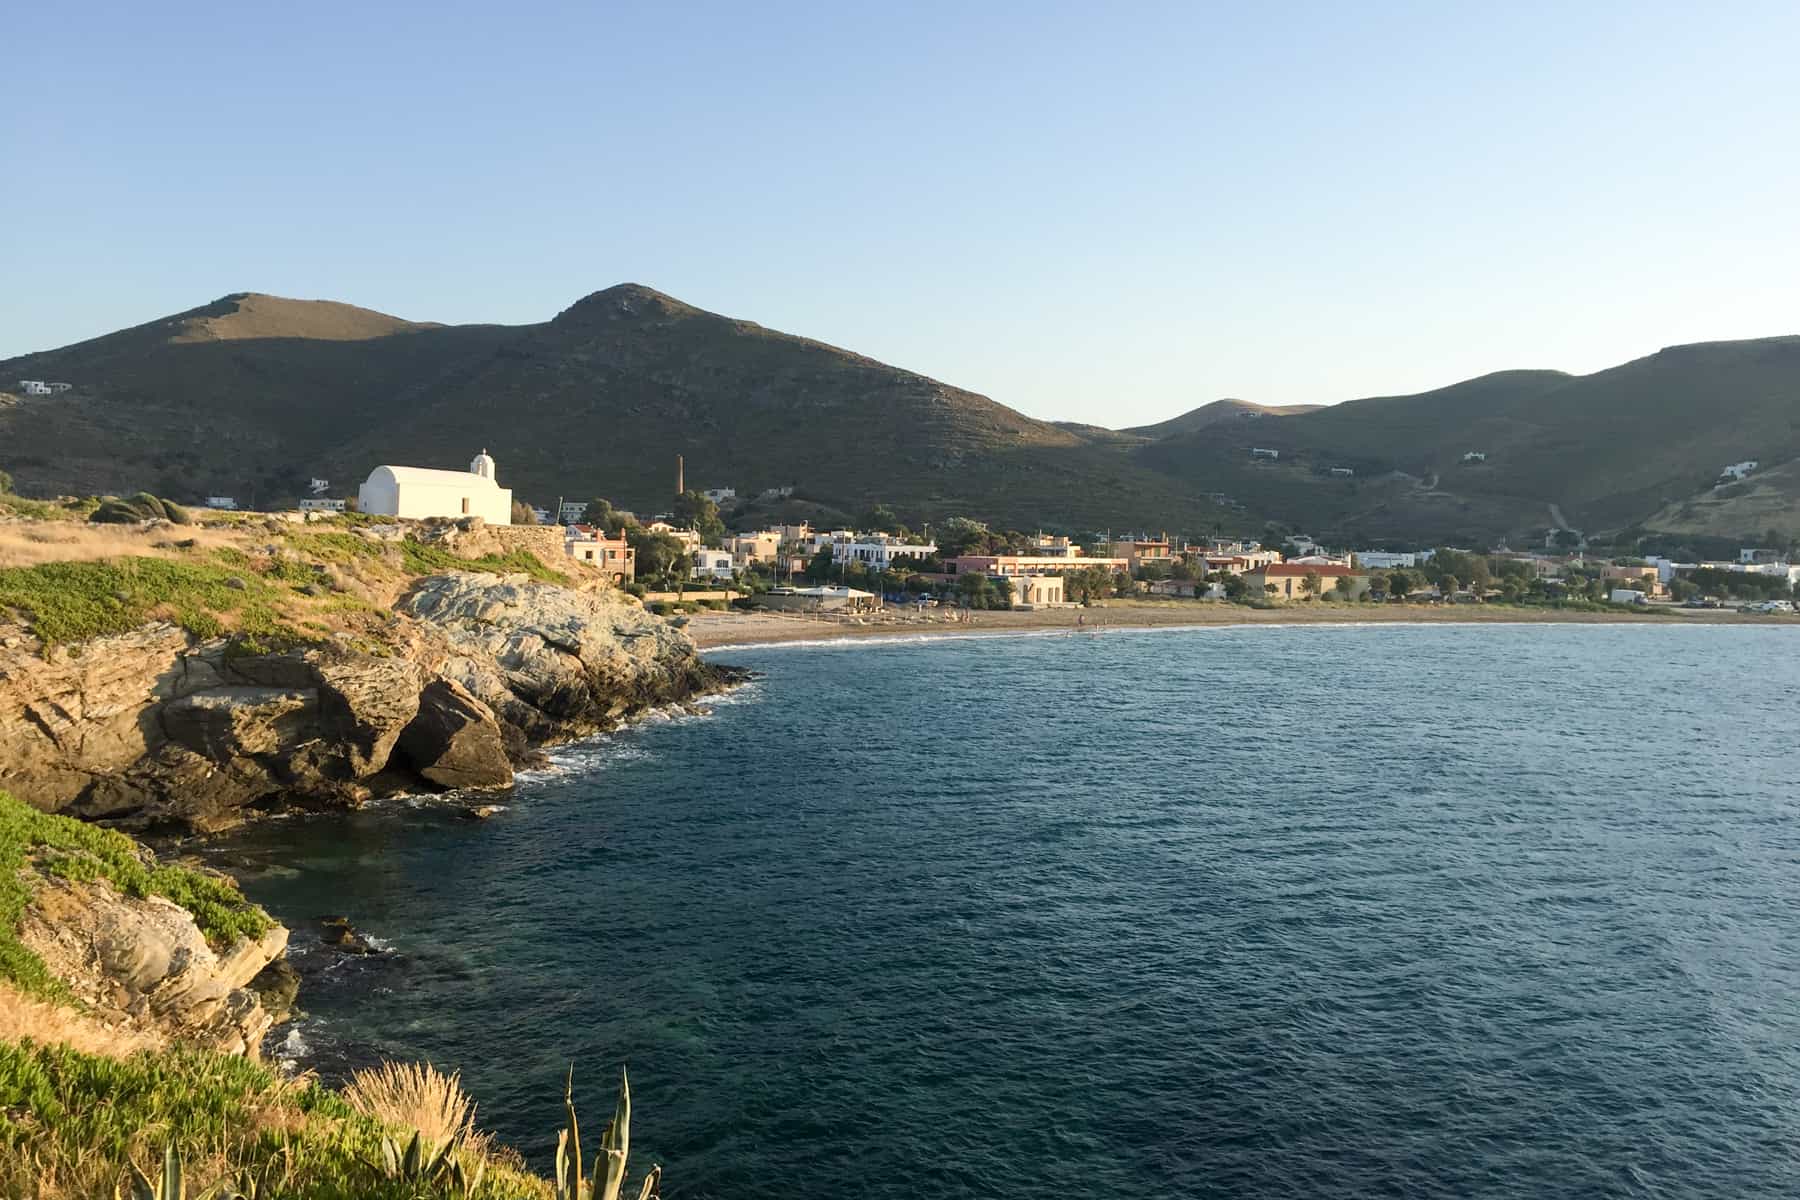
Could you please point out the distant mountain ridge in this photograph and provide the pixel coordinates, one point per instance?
(252, 395)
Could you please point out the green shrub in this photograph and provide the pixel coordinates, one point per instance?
(73, 601)
(422, 558)
(141, 507)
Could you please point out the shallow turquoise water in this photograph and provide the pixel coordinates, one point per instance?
(1422, 911)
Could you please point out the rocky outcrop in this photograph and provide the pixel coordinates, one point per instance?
(364, 704)
(157, 728)
(550, 661)
(143, 964)
(455, 742)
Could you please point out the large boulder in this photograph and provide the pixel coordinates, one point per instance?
(455, 742)
(364, 703)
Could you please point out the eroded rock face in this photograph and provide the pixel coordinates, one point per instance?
(143, 964)
(155, 728)
(364, 703)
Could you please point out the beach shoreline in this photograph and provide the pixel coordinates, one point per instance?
(729, 630)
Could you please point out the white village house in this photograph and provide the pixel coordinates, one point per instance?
(421, 492)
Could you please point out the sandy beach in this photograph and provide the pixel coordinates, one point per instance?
(713, 629)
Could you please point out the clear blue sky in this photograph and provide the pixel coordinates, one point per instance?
(1096, 212)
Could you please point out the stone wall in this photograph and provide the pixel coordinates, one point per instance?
(545, 541)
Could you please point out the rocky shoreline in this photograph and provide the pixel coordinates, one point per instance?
(156, 730)
(170, 736)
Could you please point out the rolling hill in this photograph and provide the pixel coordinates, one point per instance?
(1218, 412)
(1609, 450)
(252, 395)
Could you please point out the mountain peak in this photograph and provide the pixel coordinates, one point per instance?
(624, 301)
(242, 315)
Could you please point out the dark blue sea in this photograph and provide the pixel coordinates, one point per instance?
(1449, 911)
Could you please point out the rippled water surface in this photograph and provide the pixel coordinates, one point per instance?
(1433, 911)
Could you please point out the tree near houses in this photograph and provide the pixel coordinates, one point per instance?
(881, 519)
(974, 588)
(1400, 584)
(1309, 585)
(960, 535)
(660, 557)
(696, 512)
(1449, 585)
(1344, 587)
(602, 515)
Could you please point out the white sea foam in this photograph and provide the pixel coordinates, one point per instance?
(589, 754)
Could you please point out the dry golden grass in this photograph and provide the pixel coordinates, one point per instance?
(420, 1097)
(31, 543)
(24, 1017)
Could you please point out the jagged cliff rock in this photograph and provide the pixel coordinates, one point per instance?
(142, 964)
(155, 727)
(551, 661)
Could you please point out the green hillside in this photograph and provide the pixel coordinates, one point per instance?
(1608, 450)
(598, 401)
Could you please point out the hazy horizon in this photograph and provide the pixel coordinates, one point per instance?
(1106, 220)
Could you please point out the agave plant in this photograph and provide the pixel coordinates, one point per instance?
(609, 1164)
(461, 1181)
(170, 1185)
(418, 1164)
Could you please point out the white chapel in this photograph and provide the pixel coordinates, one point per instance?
(421, 492)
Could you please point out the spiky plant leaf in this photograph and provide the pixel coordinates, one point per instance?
(571, 1181)
(615, 1144)
(652, 1189)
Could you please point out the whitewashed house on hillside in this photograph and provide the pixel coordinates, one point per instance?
(421, 492)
